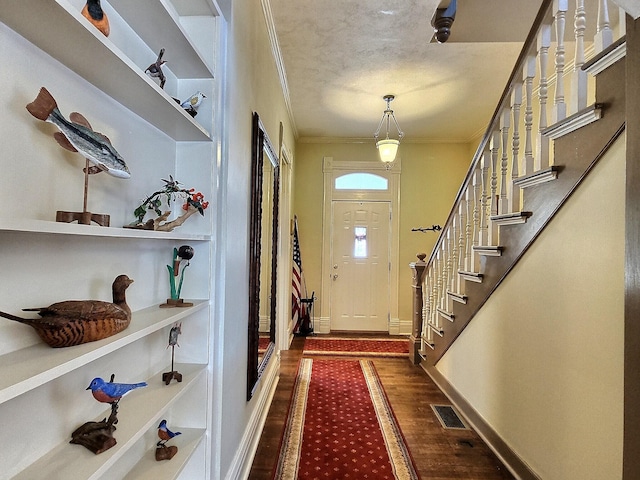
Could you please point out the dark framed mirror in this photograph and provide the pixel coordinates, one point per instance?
(263, 247)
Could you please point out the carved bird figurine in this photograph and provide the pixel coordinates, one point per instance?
(173, 335)
(73, 322)
(110, 392)
(155, 69)
(192, 103)
(165, 434)
(93, 12)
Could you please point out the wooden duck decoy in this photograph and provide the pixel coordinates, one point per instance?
(74, 322)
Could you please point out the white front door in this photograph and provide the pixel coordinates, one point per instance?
(360, 265)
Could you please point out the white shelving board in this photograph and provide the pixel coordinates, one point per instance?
(60, 228)
(117, 76)
(161, 27)
(30, 367)
(196, 7)
(150, 469)
(139, 411)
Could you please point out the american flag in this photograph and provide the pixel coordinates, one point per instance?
(296, 278)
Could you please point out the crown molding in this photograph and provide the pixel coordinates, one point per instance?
(277, 56)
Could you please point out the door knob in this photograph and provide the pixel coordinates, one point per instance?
(335, 275)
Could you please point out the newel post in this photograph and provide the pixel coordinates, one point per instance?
(418, 269)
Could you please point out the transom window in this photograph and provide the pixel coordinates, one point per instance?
(361, 181)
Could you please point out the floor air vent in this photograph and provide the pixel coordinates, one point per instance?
(448, 417)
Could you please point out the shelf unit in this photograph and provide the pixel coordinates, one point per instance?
(43, 395)
(56, 228)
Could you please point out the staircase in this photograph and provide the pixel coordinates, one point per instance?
(557, 116)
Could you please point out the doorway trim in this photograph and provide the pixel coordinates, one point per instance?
(331, 170)
(284, 330)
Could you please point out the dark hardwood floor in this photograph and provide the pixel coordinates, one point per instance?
(438, 453)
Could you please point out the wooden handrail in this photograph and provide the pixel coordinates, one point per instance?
(543, 13)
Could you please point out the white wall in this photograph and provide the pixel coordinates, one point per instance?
(542, 362)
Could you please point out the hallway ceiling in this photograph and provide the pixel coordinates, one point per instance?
(342, 56)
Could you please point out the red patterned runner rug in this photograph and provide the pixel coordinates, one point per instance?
(263, 343)
(340, 426)
(361, 347)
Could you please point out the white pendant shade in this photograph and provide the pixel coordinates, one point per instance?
(388, 148)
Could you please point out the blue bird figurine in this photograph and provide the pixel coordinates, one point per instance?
(109, 392)
(165, 434)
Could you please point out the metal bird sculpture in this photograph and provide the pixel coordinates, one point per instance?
(110, 392)
(155, 69)
(165, 434)
(78, 138)
(73, 322)
(93, 12)
(175, 331)
(192, 103)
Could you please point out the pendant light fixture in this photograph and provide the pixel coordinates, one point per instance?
(388, 147)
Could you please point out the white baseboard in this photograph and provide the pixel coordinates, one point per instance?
(396, 326)
(400, 327)
(322, 325)
(243, 459)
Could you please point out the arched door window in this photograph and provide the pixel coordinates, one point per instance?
(361, 181)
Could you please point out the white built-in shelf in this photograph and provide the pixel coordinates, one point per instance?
(61, 228)
(139, 411)
(191, 8)
(117, 76)
(160, 28)
(30, 367)
(150, 469)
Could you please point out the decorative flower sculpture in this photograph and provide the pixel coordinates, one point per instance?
(172, 191)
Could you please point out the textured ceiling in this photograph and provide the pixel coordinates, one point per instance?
(342, 56)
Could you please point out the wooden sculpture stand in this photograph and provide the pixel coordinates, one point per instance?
(83, 218)
(165, 453)
(97, 436)
(173, 374)
(176, 302)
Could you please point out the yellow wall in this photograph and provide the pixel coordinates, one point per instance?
(430, 179)
(252, 85)
(542, 362)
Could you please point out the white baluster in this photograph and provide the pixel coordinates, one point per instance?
(579, 77)
(529, 72)
(448, 251)
(493, 198)
(516, 102)
(604, 35)
(461, 247)
(505, 124)
(429, 298)
(560, 8)
(453, 248)
(477, 206)
(542, 145)
(441, 280)
(425, 304)
(468, 228)
(485, 210)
